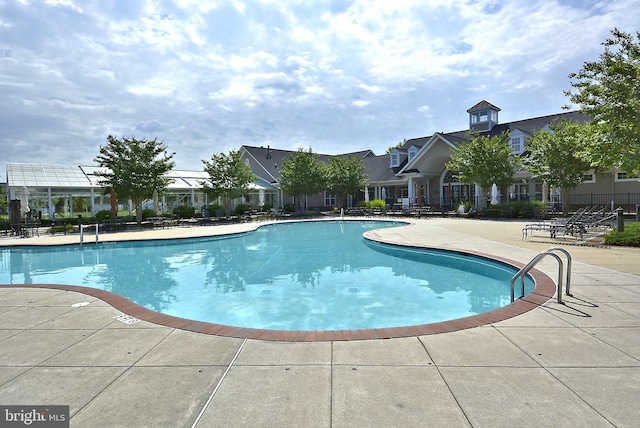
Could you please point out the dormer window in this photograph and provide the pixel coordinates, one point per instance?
(516, 145)
(517, 141)
(412, 152)
(395, 159)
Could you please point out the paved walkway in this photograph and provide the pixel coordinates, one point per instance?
(576, 364)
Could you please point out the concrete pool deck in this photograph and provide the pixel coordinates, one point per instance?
(576, 364)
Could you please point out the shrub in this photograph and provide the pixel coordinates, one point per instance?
(289, 208)
(267, 207)
(363, 204)
(630, 237)
(184, 211)
(241, 209)
(148, 213)
(103, 215)
(215, 209)
(518, 209)
(377, 203)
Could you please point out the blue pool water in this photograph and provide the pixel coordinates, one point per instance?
(287, 276)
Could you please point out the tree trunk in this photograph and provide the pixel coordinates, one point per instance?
(139, 214)
(565, 200)
(227, 206)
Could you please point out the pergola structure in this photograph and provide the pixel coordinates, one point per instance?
(68, 190)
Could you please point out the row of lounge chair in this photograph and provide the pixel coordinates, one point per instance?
(587, 219)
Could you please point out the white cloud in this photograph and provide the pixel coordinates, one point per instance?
(156, 86)
(369, 88)
(211, 75)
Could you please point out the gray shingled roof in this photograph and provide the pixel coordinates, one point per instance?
(525, 125)
(483, 105)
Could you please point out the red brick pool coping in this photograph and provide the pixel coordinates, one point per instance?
(544, 290)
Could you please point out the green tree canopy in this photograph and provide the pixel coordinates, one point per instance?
(3, 199)
(484, 160)
(554, 156)
(397, 146)
(229, 177)
(134, 169)
(609, 91)
(345, 176)
(302, 173)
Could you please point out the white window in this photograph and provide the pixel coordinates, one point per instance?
(625, 176)
(329, 200)
(516, 145)
(484, 116)
(588, 177)
(395, 159)
(494, 116)
(412, 153)
(474, 117)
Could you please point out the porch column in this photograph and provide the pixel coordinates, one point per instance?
(412, 190)
(93, 204)
(427, 192)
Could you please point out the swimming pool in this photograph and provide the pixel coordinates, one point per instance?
(312, 276)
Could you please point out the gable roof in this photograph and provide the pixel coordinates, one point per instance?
(378, 171)
(269, 160)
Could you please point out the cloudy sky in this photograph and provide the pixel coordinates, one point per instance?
(207, 76)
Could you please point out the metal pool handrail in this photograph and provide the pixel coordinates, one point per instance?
(534, 261)
(568, 277)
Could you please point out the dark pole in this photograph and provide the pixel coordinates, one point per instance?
(620, 219)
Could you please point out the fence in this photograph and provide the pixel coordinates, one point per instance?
(627, 201)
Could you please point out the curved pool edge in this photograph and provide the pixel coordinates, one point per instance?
(544, 290)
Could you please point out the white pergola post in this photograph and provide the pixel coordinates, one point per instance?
(50, 203)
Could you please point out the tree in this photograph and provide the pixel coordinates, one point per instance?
(3, 200)
(134, 169)
(345, 175)
(554, 156)
(229, 177)
(609, 91)
(484, 160)
(397, 146)
(303, 173)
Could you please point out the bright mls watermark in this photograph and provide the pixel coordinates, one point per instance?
(34, 416)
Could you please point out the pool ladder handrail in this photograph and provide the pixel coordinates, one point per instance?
(534, 261)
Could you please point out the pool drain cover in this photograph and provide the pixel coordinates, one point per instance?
(126, 319)
(353, 290)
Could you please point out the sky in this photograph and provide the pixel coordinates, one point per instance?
(208, 76)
